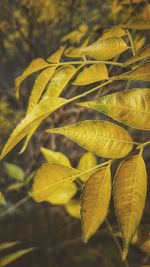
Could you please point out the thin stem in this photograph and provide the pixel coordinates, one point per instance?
(87, 62)
(147, 143)
(110, 229)
(131, 42)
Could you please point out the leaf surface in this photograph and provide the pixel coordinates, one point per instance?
(55, 157)
(113, 32)
(87, 161)
(73, 208)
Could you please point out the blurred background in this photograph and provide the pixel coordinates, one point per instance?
(36, 28)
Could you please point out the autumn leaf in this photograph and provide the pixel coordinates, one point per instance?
(87, 161)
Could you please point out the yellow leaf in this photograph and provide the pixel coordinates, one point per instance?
(139, 41)
(142, 54)
(131, 107)
(105, 49)
(7, 245)
(75, 36)
(2, 199)
(113, 32)
(55, 57)
(55, 157)
(76, 52)
(59, 80)
(87, 161)
(39, 86)
(73, 208)
(141, 238)
(102, 138)
(34, 118)
(137, 25)
(141, 73)
(92, 74)
(51, 178)
(63, 195)
(95, 201)
(129, 196)
(14, 256)
(36, 65)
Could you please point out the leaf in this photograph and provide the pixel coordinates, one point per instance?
(102, 138)
(39, 86)
(141, 238)
(87, 161)
(76, 52)
(75, 36)
(113, 32)
(14, 171)
(137, 25)
(105, 49)
(14, 187)
(63, 195)
(141, 73)
(142, 54)
(59, 80)
(14, 256)
(2, 199)
(36, 65)
(34, 118)
(55, 157)
(131, 107)
(129, 196)
(95, 201)
(73, 208)
(56, 56)
(139, 41)
(8, 245)
(92, 74)
(50, 178)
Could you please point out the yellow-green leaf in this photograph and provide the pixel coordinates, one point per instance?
(13, 187)
(105, 49)
(137, 25)
(102, 138)
(142, 54)
(139, 41)
(141, 238)
(131, 107)
(50, 178)
(56, 56)
(36, 65)
(87, 161)
(73, 208)
(141, 73)
(95, 201)
(55, 157)
(92, 74)
(34, 118)
(129, 196)
(63, 195)
(59, 80)
(2, 199)
(14, 256)
(14, 171)
(8, 245)
(113, 32)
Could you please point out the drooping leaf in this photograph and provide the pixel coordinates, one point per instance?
(87, 161)
(56, 56)
(141, 238)
(92, 74)
(50, 178)
(142, 54)
(137, 25)
(129, 196)
(131, 107)
(14, 171)
(36, 65)
(63, 195)
(59, 80)
(113, 32)
(105, 49)
(102, 138)
(2, 199)
(8, 245)
(34, 118)
(55, 157)
(141, 73)
(73, 208)
(95, 201)
(14, 256)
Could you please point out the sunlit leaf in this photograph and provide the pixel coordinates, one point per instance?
(137, 25)
(14, 171)
(76, 52)
(36, 65)
(92, 74)
(56, 56)
(141, 238)
(8, 245)
(113, 32)
(14, 256)
(87, 161)
(50, 178)
(34, 118)
(55, 157)
(2, 199)
(102, 138)
(95, 201)
(131, 107)
(129, 196)
(105, 49)
(73, 208)
(142, 54)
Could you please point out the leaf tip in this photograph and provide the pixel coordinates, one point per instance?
(124, 253)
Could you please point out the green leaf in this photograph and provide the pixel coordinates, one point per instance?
(14, 171)
(14, 256)
(14, 187)
(55, 157)
(102, 138)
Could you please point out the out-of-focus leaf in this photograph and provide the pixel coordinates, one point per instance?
(129, 196)
(2, 199)
(8, 245)
(14, 187)
(139, 41)
(73, 208)
(92, 74)
(141, 238)
(142, 54)
(131, 107)
(75, 36)
(137, 25)
(113, 32)
(87, 161)
(14, 171)
(102, 138)
(95, 201)
(55, 157)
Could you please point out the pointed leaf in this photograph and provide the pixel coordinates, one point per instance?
(142, 54)
(131, 107)
(14, 171)
(92, 74)
(129, 196)
(95, 201)
(14, 256)
(102, 138)
(8, 245)
(87, 161)
(55, 157)
(56, 56)
(137, 25)
(2, 199)
(73, 208)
